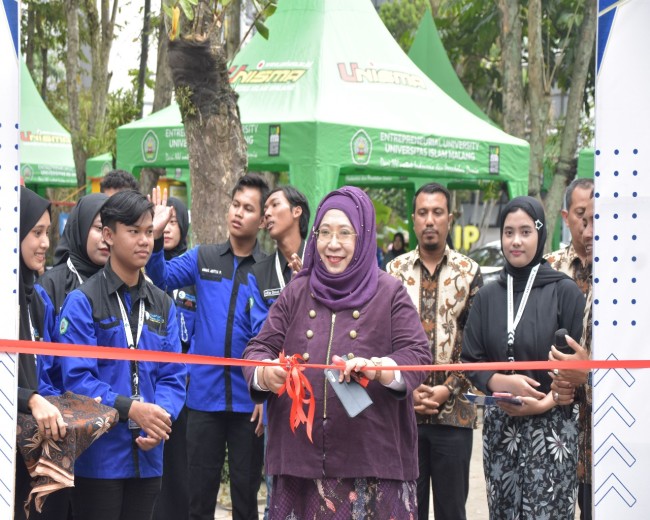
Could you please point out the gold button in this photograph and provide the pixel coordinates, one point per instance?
(350, 355)
(312, 313)
(310, 334)
(305, 356)
(353, 334)
(356, 314)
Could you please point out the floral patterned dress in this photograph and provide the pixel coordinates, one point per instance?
(530, 465)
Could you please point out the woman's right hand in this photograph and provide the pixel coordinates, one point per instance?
(518, 385)
(271, 378)
(48, 417)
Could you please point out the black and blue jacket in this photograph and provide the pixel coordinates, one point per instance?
(222, 327)
(91, 315)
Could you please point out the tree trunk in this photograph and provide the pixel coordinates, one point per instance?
(514, 114)
(162, 97)
(144, 55)
(215, 140)
(44, 71)
(233, 27)
(565, 169)
(101, 39)
(31, 31)
(72, 86)
(538, 97)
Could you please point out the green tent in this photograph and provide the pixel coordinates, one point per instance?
(45, 146)
(98, 166)
(586, 164)
(331, 98)
(429, 54)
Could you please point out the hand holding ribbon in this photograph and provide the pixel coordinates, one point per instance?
(299, 390)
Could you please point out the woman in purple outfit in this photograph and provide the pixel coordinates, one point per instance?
(341, 308)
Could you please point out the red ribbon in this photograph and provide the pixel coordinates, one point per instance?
(296, 384)
(299, 390)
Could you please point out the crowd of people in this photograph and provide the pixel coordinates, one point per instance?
(124, 277)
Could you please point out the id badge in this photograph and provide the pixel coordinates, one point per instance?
(132, 424)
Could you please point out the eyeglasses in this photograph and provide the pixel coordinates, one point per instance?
(344, 236)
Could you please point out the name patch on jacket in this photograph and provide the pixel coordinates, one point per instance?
(271, 293)
(211, 274)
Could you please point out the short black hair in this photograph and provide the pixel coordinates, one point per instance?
(434, 187)
(296, 198)
(125, 207)
(118, 180)
(583, 184)
(252, 180)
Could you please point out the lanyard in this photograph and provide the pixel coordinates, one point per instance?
(512, 323)
(278, 269)
(129, 338)
(74, 270)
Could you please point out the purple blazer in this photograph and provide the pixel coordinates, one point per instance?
(381, 441)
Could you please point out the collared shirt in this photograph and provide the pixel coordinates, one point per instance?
(265, 287)
(567, 261)
(91, 315)
(222, 327)
(443, 299)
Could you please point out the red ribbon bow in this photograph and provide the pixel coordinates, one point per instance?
(299, 391)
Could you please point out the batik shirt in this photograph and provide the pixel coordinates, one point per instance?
(567, 261)
(443, 299)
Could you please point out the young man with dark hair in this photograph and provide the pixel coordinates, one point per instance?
(442, 284)
(117, 180)
(220, 410)
(118, 477)
(286, 216)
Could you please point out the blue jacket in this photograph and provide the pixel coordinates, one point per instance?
(222, 327)
(91, 316)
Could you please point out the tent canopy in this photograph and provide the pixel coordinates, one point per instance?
(45, 146)
(429, 54)
(331, 98)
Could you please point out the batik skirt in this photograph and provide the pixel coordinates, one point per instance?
(530, 465)
(294, 498)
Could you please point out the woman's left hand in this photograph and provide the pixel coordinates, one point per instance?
(574, 376)
(529, 406)
(353, 368)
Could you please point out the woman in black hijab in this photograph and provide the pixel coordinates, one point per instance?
(530, 449)
(174, 499)
(34, 325)
(85, 253)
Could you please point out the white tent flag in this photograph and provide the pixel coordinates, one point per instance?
(621, 449)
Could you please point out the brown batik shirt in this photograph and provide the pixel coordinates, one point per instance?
(567, 261)
(443, 299)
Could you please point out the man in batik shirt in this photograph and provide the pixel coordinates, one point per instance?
(576, 262)
(442, 284)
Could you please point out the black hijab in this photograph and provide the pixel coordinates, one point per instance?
(546, 274)
(75, 234)
(32, 208)
(183, 218)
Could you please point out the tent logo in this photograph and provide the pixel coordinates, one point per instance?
(150, 146)
(361, 147)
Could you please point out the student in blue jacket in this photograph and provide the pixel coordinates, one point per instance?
(36, 319)
(219, 405)
(118, 477)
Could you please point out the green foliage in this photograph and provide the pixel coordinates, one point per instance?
(402, 18)
(185, 103)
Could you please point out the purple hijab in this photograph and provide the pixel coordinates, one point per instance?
(358, 283)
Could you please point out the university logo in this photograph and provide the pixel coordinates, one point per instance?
(150, 146)
(361, 148)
